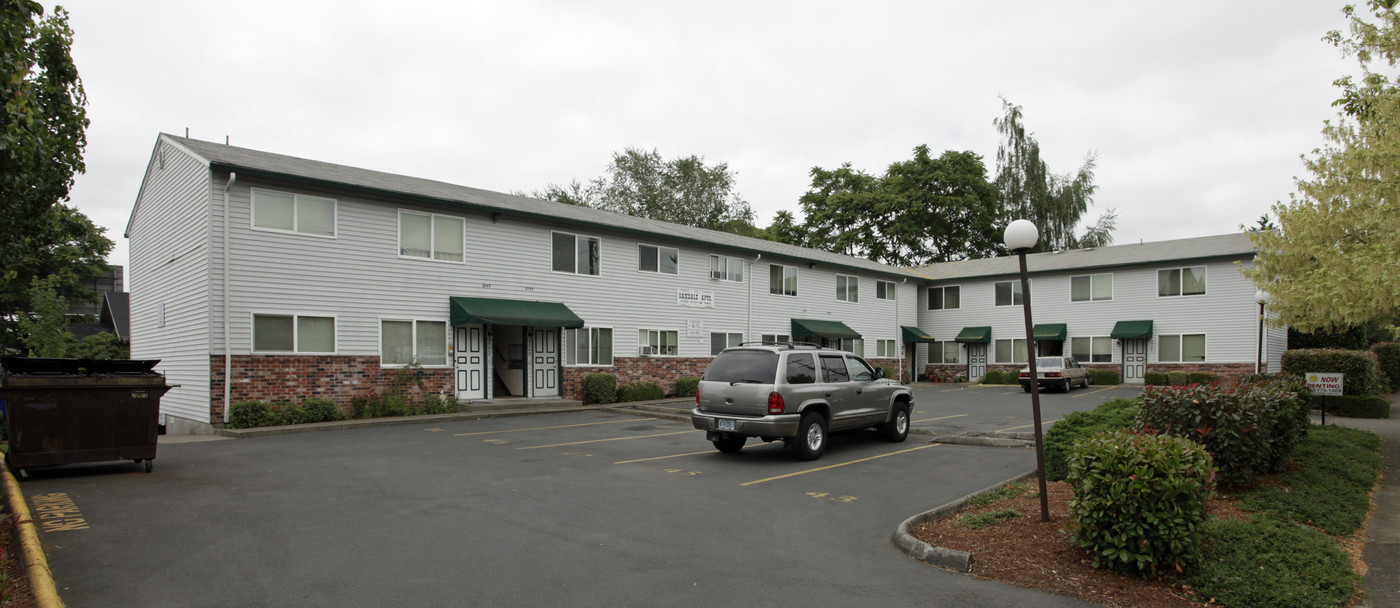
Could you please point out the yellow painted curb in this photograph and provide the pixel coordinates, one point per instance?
(36, 565)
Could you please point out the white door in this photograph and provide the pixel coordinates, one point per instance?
(544, 361)
(469, 357)
(1134, 361)
(976, 361)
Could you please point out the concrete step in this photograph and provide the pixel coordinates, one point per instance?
(496, 405)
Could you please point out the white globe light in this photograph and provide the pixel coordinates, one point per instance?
(1262, 296)
(1020, 234)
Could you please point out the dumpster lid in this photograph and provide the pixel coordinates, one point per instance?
(41, 366)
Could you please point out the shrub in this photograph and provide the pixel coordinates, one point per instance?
(996, 376)
(640, 391)
(1178, 378)
(320, 410)
(1104, 377)
(1202, 377)
(686, 385)
(1361, 368)
(1235, 423)
(392, 403)
(1388, 358)
(1267, 562)
(890, 371)
(1288, 417)
(439, 404)
(1110, 415)
(1155, 379)
(1330, 488)
(1139, 500)
(361, 406)
(600, 388)
(1351, 406)
(249, 415)
(287, 413)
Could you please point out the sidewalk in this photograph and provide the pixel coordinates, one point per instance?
(1382, 551)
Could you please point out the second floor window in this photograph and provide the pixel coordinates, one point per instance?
(782, 280)
(430, 236)
(847, 288)
(576, 254)
(1008, 293)
(727, 268)
(1092, 287)
(1189, 281)
(299, 213)
(944, 298)
(664, 260)
(884, 290)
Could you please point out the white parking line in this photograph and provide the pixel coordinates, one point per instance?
(758, 481)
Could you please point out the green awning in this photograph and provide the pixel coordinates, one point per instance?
(976, 335)
(1050, 331)
(512, 312)
(1132, 330)
(832, 330)
(915, 335)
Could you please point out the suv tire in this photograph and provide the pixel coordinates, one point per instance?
(730, 444)
(811, 437)
(897, 429)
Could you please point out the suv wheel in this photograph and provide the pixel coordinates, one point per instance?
(810, 441)
(898, 427)
(730, 444)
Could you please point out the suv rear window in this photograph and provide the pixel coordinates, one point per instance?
(801, 369)
(759, 367)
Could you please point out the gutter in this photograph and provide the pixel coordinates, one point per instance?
(228, 345)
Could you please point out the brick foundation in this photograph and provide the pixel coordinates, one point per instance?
(1230, 372)
(661, 370)
(298, 377)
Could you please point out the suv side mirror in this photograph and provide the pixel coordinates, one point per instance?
(879, 373)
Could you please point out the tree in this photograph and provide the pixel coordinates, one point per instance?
(65, 247)
(1054, 202)
(1332, 264)
(921, 211)
(683, 190)
(44, 328)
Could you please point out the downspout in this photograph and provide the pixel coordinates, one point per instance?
(748, 333)
(228, 345)
(899, 329)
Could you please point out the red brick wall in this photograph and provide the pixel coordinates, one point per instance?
(661, 370)
(1227, 371)
(298, 377)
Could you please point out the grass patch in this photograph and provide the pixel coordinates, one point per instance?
(1332, 489)
(1009, 490)
(977, 521)
(1267, 562)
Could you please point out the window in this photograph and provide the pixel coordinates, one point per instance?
(588, 346)
(651, 258)
(1008, 293)
(859, 370)
(1091, 288)
(299, 213)
(727, 268)
(1186, 348)
(944, 298)
(834, 368)
(1091, 350)
(849, 345)
(720, 341)
(801, 369)
(886, 348)
(1011, 351)
(430, 236)
(656, 342)
(407, 342)
(847, 288)
(782, 280)
(943, 352)
(884, 290)
(293, 333)
(1189, 281)
(776, 338)
(576, 254)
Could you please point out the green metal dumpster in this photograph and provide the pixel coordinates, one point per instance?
(65, 411)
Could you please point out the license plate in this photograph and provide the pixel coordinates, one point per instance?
(724, 425)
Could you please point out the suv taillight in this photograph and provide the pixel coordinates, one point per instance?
(697, 396)
(775, 403)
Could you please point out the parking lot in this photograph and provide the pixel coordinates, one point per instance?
(580, 509)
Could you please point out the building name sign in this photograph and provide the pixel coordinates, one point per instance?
(695, 298)
(1324, 383)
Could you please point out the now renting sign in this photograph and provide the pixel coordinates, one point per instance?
(1324, 383)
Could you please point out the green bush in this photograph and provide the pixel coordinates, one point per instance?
(1287, 418)
(1361, 368)
(640, 391)
(1388, 358)
(890, 371)
(250, 415)
(360, 405)
(1110, 415)
(1240, 425)
(996, 376)
(686, 385)
(434, 403)
(287, 413)
(1351, 406)
(391, 403)
(1178, 378)
(320, 410)
(1139, 500)
(1268, 562)
(1156, 379)
(1330, 488)
(1202, 377)
(600, 388)
(1104, 377)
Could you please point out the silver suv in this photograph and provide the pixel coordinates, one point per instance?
(797, 393)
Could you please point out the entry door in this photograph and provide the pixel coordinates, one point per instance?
(1134, 361)
(544, 361)
(469, 357)
(976, 361)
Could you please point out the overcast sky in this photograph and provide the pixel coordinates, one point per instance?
(1198, 110)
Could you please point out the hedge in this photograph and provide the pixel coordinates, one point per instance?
(686, 385)
(1361, 368)
(1388, 357)
(1104, 377)
(1355, 406)
(1111, 415)
(1156, 379)
(600, 388)
(996, 376)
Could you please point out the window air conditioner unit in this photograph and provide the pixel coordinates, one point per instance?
(645, 351)
(716, 274)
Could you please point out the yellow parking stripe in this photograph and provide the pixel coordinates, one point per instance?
(545, 428)
(834, 466)
(938, 418)
(663, 457)
(555, 445)
(1095, 392)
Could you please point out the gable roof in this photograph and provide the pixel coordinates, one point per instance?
(1223, 246)
(381, 185)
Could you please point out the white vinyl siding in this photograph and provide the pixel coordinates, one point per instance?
(431, 236)
(299, 213)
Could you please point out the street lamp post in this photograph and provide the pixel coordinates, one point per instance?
(1019, 237)
(1261, 297)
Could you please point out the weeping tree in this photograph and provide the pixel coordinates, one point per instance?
(1054, 202)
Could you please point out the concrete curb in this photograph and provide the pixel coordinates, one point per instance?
(942, 557)
(36, 564)
(346, 425)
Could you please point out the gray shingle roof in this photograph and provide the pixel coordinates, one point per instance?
(1235, 245)
(267, 164)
